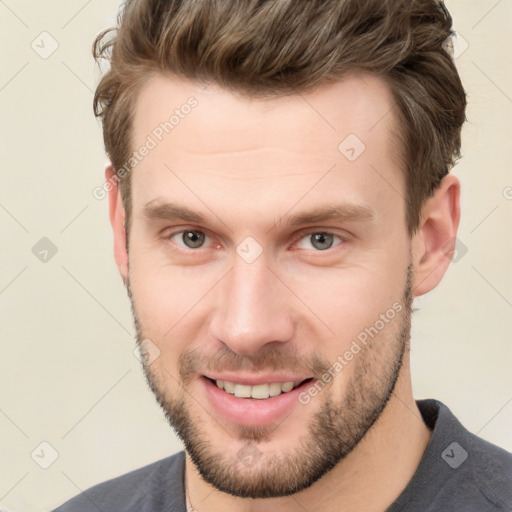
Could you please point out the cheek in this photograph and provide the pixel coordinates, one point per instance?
(161, 309)
(172, 303)
(352, 299)
(161, 295)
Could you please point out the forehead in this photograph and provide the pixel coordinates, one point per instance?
(267, 147)
(358, 104)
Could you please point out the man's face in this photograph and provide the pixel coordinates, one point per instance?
(268, 245)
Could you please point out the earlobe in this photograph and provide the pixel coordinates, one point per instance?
(434, 242)
(117, 221)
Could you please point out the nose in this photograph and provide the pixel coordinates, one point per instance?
(255, 309)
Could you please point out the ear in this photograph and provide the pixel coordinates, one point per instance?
(117, 218)
(433, 244)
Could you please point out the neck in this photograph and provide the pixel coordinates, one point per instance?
(369, 478)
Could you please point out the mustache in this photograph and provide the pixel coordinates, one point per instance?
(193, 362)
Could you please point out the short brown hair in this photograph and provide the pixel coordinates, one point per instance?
(269, 48)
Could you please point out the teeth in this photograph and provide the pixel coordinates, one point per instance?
(275, 389)
(287, 386)
(242, 391)
(229, 387)
(260, 392)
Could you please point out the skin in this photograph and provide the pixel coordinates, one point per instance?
(248, 165)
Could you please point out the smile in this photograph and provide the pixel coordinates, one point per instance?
(260, 392)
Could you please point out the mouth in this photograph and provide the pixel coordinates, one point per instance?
(253, 402)
(259, 391)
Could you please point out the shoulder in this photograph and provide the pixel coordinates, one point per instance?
(471, 471)
(158, 486)
(492, 471)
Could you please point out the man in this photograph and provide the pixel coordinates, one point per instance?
(279, 193)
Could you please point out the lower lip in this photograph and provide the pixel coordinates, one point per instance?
(252, 411)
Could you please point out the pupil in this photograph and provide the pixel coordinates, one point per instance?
(193, 239)
(321, 241)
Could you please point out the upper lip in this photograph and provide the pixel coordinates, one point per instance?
(255, 380)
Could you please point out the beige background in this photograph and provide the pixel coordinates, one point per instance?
(68, 375)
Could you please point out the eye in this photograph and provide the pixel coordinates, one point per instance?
(189, 238)
(320, 241)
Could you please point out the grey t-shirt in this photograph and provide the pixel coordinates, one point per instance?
(459, 472)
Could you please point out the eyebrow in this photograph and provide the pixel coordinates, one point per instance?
(156, 210)
(347, 212)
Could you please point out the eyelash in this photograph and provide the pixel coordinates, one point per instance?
(300, 236)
